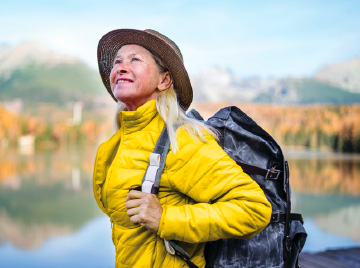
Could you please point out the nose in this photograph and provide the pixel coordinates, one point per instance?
(122, 68)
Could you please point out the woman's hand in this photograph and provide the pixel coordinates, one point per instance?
(144, 209)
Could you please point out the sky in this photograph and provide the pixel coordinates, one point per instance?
(250, 38)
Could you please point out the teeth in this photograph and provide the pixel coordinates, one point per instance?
(122, 81)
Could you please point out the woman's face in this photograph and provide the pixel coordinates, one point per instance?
(135, 77)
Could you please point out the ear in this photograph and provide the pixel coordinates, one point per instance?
(166, 81)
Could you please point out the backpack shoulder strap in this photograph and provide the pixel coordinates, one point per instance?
(151, 180)
(195, 115)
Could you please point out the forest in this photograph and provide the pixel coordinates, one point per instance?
(330, 127)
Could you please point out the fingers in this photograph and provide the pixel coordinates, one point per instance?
(139, 215)
(133, 203)
(133, 194)
(133, 211)
(145, 209)
(138, 204)
(144, 218)
(138, 218)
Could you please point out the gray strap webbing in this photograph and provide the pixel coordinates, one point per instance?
(151, 180)
(151, 185)
(162, 147)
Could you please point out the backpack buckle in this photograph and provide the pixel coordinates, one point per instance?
(272, 174)
(150, 175)
(275, 217)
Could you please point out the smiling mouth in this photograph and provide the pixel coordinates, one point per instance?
(122, 80)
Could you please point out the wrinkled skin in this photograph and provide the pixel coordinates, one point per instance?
(144, 209)
(135, 77)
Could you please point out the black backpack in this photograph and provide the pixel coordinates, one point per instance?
(281, 242)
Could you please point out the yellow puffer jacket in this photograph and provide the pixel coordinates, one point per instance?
(205, 195)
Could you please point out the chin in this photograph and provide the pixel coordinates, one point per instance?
(122, 98)
(119, 96)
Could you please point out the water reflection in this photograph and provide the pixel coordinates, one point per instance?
(336, 216)
(44, 196)
(326, 190)
(322, 175)
(91, 247)
(47, 208)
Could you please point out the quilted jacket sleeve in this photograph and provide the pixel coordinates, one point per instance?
(229, 203)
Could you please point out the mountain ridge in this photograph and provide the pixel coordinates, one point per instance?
(34, 73)
(344, 74)
(33, 52)
(216, 83)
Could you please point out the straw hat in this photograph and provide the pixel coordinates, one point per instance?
(162, 46)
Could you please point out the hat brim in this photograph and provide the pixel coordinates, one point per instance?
(110, 44)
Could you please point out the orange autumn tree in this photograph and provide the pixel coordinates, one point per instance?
(47, 134)
(313, 126)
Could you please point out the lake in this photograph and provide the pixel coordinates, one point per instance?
(49, 218)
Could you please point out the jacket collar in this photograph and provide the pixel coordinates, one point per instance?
(132, 121)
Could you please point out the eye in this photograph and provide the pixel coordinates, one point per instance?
(135, 59)
(117, 61)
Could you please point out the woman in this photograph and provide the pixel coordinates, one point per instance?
(204, 195)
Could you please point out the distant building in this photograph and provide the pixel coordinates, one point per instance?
(77, 112)
(26, 144)
(14, 106)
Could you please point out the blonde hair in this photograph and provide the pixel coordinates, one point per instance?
(173, 115)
